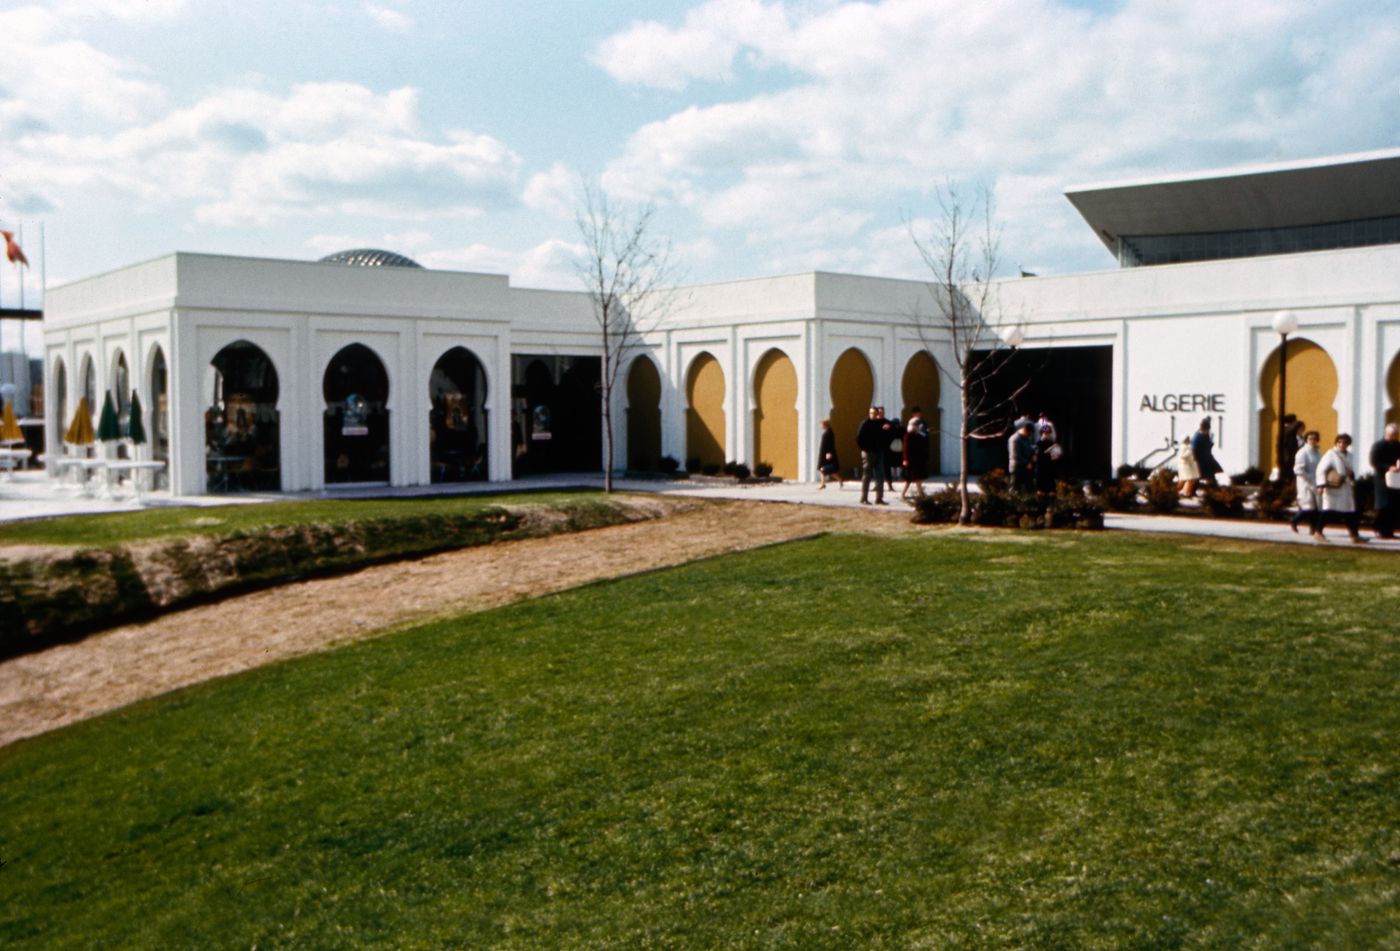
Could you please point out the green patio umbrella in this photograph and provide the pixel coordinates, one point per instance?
(107, 428)
(135, 429)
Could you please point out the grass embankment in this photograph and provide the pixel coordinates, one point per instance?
(105, 569)
(946, 741)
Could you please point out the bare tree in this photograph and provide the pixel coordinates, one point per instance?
(964, 318)
(626, 272)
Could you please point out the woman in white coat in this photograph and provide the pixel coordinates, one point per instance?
(1336, 480)
(1305, 480)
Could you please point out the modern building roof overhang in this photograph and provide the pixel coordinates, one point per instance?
(1282, 195)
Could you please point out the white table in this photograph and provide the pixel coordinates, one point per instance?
(12, 459)
(135, 469)
(80, 466)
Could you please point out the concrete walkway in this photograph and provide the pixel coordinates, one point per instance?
(34, 495)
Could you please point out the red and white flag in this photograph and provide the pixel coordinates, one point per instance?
(12, 250)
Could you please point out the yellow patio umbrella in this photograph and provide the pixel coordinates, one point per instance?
(9, 426)
(80, 431)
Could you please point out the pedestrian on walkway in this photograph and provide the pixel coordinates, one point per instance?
(828, 463)
(1020, 457)
(1385, 462)
(1305, 480)
(915, 454)
(873, 438)
(1336, 478)
(1188, 472)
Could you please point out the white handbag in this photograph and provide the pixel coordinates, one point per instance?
(1392, 480)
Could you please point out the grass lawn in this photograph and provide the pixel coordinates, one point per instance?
(182, 522)
(1050, 741)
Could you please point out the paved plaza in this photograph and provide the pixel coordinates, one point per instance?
(32, 494)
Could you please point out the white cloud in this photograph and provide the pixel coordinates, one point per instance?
(249, 156)
(554, 192)
(868, 105)
(390, 19)
(52, 80)
(703, 47)
(549, 264)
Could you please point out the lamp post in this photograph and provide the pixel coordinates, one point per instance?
(1284, 323)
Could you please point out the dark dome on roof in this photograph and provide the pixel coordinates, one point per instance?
(370, 257)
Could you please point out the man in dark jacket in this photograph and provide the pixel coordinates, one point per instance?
(1020, 457)
(873, 438)
(1385, 457)
(1203, 448)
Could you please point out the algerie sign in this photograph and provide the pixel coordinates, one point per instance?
(1182, 403)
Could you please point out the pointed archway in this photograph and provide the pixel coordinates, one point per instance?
(704, 415)
(775, 414)
(852, 392)
(920, 388)
(1312, 394)
(643, 416)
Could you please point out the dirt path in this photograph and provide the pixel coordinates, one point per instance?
(43, 691)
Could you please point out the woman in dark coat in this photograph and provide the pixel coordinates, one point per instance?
(915, 453)
(1047, 460)
(827, 463)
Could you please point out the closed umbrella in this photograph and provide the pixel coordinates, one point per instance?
(10, 433)
(80, 430)
(107, 428)
(135, 429)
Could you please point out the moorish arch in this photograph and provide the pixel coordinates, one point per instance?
(1312, 394)
(121, 397)
(704, 414)
(356, 391)
(59, 389)
(775, 413)
(457, 423)
(852, 392)
(242, 445)
(643, 416)
(1392, 387)
(157, 406)
(920, 388)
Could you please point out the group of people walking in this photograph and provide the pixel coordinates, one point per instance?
(1326, 484)
(1325, 480)
(885, 445)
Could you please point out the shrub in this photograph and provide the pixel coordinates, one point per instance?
(739, 471)
(710, 469)
(940, 507)
(1120, 495)
(1073, 507)
(693, 464)
(1274, 501)
(763, 470)
(1224, 501)
(668, 465)
(1251, 476)
(1140, 473)
(1161, 493)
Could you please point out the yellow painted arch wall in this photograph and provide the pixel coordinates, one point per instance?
(643, 416)
(775, 417)
(704, 415)
(1312, 393)
(920, 387)
(852, 391)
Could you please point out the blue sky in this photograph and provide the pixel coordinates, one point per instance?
(773, 136)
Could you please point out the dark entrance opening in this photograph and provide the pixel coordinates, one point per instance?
(1073, 386)
(356, 388)
(556, 418)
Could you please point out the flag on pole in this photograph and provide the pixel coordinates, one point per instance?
(12, 250)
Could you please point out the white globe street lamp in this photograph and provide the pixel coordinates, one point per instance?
(1012, 335)
(1284, 323)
